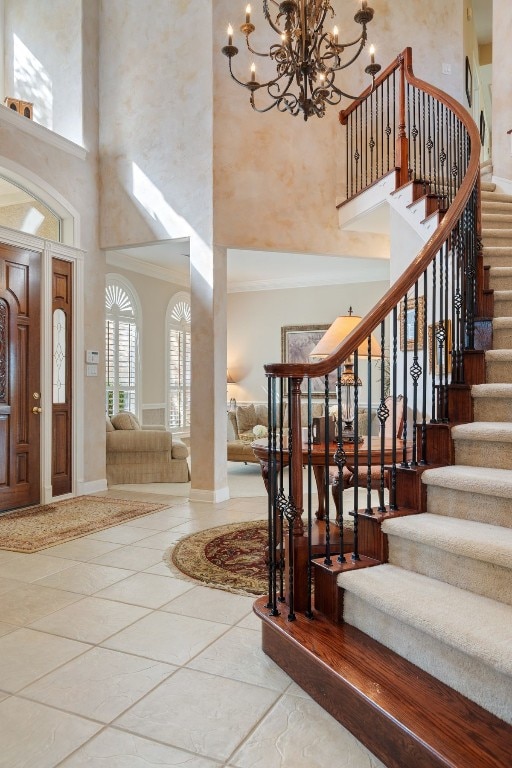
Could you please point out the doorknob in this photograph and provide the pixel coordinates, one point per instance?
(36, 409)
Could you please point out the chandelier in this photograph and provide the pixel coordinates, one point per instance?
(306, 57)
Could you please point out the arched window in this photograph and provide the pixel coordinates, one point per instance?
(121, 346)
(178, 362)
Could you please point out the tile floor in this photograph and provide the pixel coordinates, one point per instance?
(108, 658)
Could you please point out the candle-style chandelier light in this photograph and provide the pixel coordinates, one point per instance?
(307, 57)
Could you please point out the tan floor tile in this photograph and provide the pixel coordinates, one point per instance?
(6, 628)
(166, 637)
(211, 604)
(251, 622)
(85, 578)
(35, 735)
(33, 601)
(115, 749)
(210, 716)
(32, 567)
(162, 569)
(161, 540)
(301, 734)
(6, 585)
(238, 655)
(136, 558)
(26, 655)
(91, 620)
(82, 549)
(122, 534)
(146, 589)
(4, 695)
(100, 684)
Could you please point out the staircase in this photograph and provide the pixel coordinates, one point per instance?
(406, 641)
(444, 599)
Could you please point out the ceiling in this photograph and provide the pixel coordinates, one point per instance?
(251, 270)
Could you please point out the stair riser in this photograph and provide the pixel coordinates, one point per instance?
(497, 372)
(468, 676)
(501, 260)
(492, 409)
(500, 282)
(495, 197)
(465, 505)
(502, 307)
(497, 241)
(491, 221)
(477, 576)
(483, 454)
(504, 209)
(502, 338)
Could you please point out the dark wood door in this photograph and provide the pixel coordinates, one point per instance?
(20, 392)
(62, 356)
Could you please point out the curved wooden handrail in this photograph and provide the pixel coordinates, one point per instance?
(417, 267)
(395, 64)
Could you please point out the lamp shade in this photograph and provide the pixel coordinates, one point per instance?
(337, 332)
(229, 377)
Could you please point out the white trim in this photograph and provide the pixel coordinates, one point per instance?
(46, 375)
(41, 133)
(319, 280)
(152, 406)
(38, 187)
(210, 497)
(93, 486)
(122, 261)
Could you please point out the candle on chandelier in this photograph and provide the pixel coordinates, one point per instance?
(335, 35)
(364, 5)
(230, 34)
(248, 14)
(372, 54)
(253, 72)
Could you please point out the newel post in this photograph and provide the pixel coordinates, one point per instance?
(401, 148)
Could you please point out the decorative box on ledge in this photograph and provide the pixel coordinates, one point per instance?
(25, 108)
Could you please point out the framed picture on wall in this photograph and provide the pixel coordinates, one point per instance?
(469, 82)
(438, 362)
(297, 342)
(410, 323)
(482, 128)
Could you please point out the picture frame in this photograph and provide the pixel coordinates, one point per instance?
(482, 127)
(469, 82)
(434, 350)
(297, 342)
(407, 333)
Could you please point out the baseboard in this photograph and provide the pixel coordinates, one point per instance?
(502, 185)
(93, 486)
(209, 497)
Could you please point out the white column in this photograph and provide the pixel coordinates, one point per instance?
(208, 429)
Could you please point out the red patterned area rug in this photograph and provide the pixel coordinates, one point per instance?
(34, 528)
(229, 557)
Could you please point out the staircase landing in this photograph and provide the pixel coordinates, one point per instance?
(406, 717)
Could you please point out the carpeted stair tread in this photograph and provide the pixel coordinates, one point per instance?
(484, 431)
(493, 390)
(496, 220)
(495, 233)
(497, 206)
(466, 538)
(488, 186)
(501, 272)
(483, 480)
(498, 355)
(476, 625)
(490, 196)
(502, 295)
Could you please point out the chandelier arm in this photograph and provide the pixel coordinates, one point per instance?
(256, 53)
(348, 95)
(243, 83)
(350, 61)
(266, 13)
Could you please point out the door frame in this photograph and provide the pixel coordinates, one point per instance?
(47, 250)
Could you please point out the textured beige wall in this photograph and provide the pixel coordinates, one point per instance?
(43, 61)
(502, 89)
(15, 217)
(276, 177)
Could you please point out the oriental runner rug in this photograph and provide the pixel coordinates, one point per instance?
(229, 557)
(34, 528)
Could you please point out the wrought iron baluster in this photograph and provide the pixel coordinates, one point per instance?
(355, 553)
(424, 379)
(405, 381)
(309, 610)
(394, 384)
(327, 560)
(432, 341)
(415, 372)
(369, 509)
(383, 415)
(272, 497)
(340, 460)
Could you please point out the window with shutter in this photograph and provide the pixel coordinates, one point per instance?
(178, 367)
(121, 346)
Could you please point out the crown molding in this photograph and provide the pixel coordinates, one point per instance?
(122, 261)
(319, 280)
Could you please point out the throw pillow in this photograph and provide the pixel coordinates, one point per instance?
(246, 417)
(110, 426)
(125, 420)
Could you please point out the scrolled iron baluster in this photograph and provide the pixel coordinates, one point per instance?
(394, 377)
(355, 553)
(415, 372)
(383, 417)
(309, 611)
(327, 560)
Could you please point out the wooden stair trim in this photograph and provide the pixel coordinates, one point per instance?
(403, 715)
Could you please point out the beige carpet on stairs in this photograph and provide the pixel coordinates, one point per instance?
(444, 599)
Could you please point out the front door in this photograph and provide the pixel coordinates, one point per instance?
(20, 393)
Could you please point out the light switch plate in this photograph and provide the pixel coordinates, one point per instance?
(91, 370)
